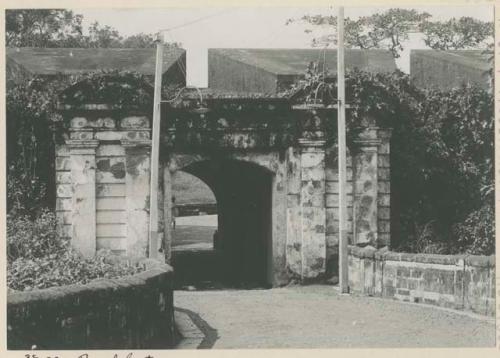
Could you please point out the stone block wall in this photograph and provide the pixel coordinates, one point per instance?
(454, 281)
(133, 312)
(102, 181)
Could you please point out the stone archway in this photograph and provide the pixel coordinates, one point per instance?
(244, 194)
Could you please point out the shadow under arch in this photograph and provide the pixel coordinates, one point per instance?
(243, 191)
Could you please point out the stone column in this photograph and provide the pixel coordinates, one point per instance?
(82, 157)
(384, 188)
(365, 188)
(312, 207)
(293, 215)
(137, 180)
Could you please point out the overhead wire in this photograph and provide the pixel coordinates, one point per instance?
(166, 31)
(196, 20)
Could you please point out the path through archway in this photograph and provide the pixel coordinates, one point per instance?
(243, 244)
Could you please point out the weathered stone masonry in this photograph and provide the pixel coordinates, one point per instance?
(274, 163)
(462, 282)
(102, 182)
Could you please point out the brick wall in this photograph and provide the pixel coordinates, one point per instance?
(462, 282)
(133, 312)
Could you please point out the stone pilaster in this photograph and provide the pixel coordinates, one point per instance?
(384, 188)
(312, 207)
(293, 215)
(82, 158)
(137, 168)
(365, 188)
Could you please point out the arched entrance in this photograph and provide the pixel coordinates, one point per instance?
(243, 247)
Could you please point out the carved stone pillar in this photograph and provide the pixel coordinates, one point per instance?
(293, 214)
(365, 188)
(312, 207)
(82, 158)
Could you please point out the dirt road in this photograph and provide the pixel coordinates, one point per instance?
(318, 317)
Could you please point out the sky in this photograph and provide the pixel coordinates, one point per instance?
(198, 29)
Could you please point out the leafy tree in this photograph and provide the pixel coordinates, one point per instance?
(387, 30)
(42, 28)
(457, 34)
(139, 41)
(102, 36)
(63, 28)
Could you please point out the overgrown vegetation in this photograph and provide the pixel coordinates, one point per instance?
(38, 257)
(442, 184)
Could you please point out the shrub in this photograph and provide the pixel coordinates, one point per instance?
(32, 239)
(476, 234)
(38, 257)
(64, 268)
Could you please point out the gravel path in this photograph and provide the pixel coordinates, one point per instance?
(318, 317)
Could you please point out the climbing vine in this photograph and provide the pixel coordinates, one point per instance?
(441, 155)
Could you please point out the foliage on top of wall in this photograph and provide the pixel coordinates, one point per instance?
(109, 87)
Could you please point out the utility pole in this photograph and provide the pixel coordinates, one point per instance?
(343, 274)
(155, 152)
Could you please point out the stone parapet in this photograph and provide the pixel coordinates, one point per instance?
(463, 282)
(81, 316)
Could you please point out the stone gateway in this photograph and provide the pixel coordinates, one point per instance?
(271, 165)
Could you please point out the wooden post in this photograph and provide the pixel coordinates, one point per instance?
(155, 154)
(343, 277)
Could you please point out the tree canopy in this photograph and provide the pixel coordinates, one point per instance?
(456, 34)
(390, 30)
(63, 28)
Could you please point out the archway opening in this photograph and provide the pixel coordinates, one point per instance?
(242, 240)
(194, 213)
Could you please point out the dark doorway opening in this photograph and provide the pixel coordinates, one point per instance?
(242, 241)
